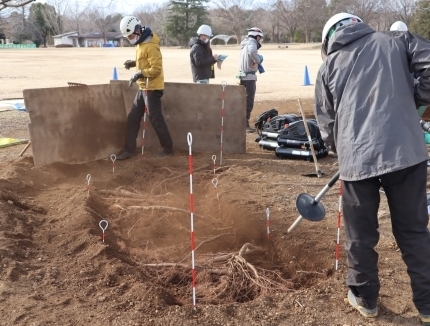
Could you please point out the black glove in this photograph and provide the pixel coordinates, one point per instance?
(129, 64)
(135, 77)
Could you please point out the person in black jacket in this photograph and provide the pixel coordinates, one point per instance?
(201, 58)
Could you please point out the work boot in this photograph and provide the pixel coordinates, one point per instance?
(425, 319)
(358, 304)
(124, 155)
(164, 153)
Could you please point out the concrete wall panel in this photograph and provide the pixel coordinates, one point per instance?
(196, 108)
(86, 123)
(75, 124)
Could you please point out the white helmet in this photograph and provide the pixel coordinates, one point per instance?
(128, 25)
(338, 20)
(255, 31)
(399, 26)
(205, 30)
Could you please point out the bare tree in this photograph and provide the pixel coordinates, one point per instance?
(76, 18)
(286, 14)
(402, 10)
(61, 8)
(367, 10)
(13, 3)
(146, 14)
(154, 15)
(236, 15)
(104, 18)
(311, 15)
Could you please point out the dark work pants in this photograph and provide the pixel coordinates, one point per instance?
(406, 194)
(155, 117)
(250, 86)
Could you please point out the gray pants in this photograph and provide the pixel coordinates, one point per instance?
(251, 87)
(406, 194)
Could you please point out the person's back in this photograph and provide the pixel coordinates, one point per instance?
(368, 73)
(248, 66)
(248, 56)
(365, 109)
(150, 48)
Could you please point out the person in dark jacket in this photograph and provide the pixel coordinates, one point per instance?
(366, 111)
(201, 58)
(149, 77)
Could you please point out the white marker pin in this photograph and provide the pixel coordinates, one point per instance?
(103, 228)
(113, 159)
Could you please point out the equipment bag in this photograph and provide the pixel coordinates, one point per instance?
(294, 136)
(301, 154)
(279, 122)
(262, 118)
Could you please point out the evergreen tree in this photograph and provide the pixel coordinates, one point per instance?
(44, 21)
(421, 21)
(184, 19)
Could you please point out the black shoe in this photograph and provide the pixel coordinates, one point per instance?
(124, 155)
(164, 153)
(250, 130)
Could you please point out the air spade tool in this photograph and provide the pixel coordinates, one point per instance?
(310, 208)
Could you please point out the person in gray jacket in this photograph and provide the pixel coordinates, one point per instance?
(201, 58)
(366, 111)
(248, 66)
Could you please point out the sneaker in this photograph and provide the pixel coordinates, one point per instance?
(124, 155)
(366, 312)
(425, 319)
(164, 153)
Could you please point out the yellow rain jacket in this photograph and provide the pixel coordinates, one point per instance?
(150, 62)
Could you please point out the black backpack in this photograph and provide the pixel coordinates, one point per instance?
(277, 123)
(295, 136)
(262, 118)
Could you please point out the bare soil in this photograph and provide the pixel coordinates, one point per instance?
(55, 268)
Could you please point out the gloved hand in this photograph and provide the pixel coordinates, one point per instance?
(135, 77)
(129, 64)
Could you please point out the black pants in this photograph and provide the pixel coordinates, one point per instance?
(406, 194)
(250, 86)
(155, 117)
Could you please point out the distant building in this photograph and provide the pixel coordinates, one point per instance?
(94, 39)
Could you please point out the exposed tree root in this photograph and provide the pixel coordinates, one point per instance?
(234, 278)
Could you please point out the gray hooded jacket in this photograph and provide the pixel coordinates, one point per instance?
(364, 104)
(249, 55)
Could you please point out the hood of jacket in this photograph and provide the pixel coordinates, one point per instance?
(195, 40)
(348, 34)
(146, 32)
(153, 38)
(247, 40)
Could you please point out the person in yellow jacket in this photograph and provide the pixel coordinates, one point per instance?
(149, 76)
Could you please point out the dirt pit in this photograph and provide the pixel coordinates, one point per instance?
(55, 268)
